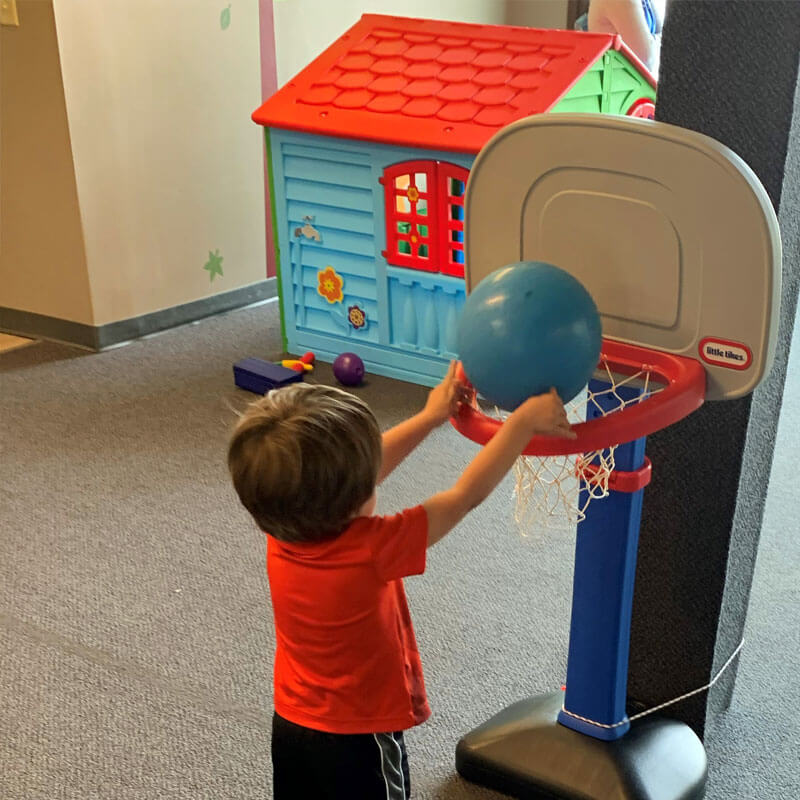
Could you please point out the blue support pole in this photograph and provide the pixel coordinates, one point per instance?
(602, 599)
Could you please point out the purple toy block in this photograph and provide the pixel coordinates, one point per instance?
(255, 375)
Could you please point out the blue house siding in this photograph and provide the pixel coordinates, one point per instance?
(411, 315)
(424, 311)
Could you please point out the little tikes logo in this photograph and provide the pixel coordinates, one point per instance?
(724, 353)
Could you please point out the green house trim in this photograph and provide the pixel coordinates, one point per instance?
(276, 245)
(610, 86)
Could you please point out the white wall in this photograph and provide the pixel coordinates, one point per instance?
(168, 163)
(156, 154)
(304, 28)
(42, 258)
(537, 13)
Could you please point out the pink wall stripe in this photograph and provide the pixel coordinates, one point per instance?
(269, 84)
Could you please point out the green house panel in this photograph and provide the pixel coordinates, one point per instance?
(274, 222)
(586, 96)
(624, 84)
(610, 86)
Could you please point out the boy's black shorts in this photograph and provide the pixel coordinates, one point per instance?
(312, 765)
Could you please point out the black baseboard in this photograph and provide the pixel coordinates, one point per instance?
(99, 337)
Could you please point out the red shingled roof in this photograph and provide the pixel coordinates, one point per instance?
(439, 85)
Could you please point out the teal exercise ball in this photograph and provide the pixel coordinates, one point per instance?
(525, 328)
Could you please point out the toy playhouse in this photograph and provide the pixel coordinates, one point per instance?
(369, 150)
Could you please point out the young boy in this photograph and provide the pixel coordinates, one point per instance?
(305, 461)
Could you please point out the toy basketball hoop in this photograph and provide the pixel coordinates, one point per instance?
(678, 244)
(687, 307)
(636, 391)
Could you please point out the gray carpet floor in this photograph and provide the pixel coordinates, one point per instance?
(135, 629)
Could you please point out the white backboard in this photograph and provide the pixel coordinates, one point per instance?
(670, 231)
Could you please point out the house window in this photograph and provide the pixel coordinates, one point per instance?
(425, 216)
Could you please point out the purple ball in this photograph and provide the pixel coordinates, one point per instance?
(348, 369)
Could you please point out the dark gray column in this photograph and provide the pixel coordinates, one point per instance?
(729, 70)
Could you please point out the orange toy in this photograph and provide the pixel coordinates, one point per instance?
(303, 364)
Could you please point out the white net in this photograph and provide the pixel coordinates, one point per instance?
(550, 490)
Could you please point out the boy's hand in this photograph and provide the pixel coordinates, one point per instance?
(545, 415)
(444, 401)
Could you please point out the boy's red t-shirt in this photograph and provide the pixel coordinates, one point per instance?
(346, 659)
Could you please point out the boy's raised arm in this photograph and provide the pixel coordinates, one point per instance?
(544, 415)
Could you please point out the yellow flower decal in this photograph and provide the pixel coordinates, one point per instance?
(330, 285)
(413, 194)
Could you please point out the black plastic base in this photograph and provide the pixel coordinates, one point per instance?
(524, 752)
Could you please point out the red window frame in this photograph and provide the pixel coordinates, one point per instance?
(438, 245)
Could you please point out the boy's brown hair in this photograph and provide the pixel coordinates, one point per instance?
(304, 459)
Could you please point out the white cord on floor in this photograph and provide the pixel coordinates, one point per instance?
(669, 702)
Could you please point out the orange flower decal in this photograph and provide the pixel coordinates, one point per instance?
(413, 194)
(330, 285)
